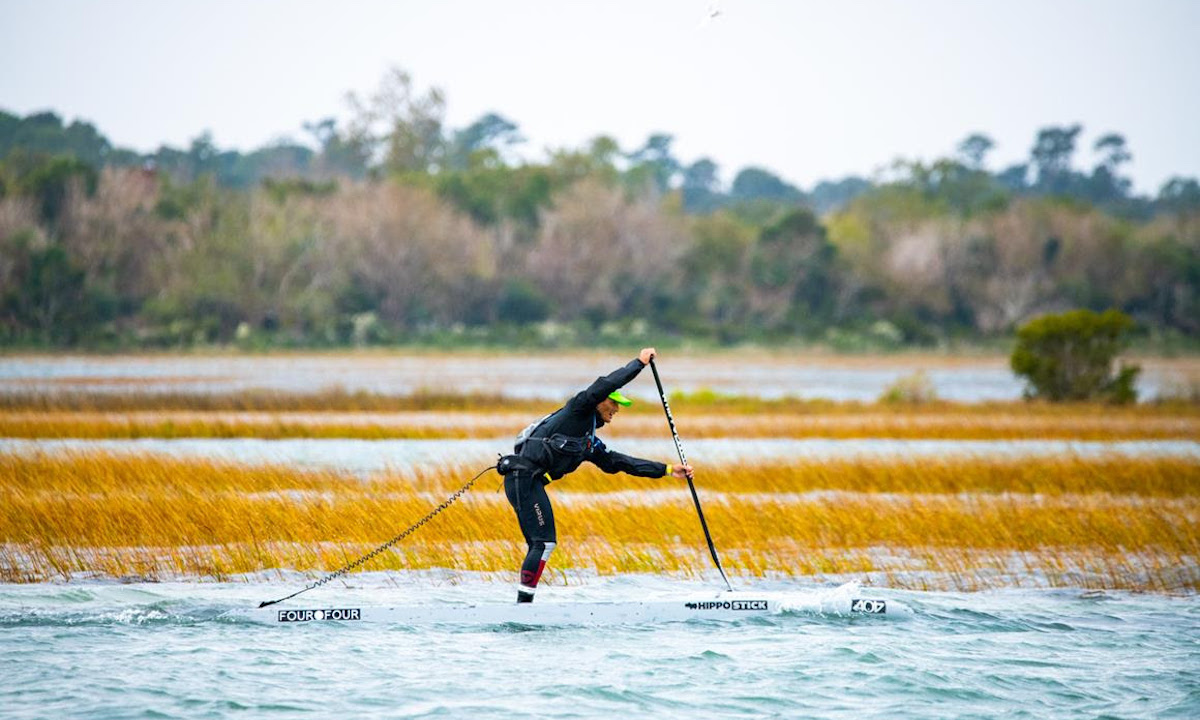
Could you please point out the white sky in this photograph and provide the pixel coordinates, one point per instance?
(810, 90)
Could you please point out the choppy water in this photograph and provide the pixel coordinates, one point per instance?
(98, 650)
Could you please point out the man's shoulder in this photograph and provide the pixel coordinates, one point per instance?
(578, 402)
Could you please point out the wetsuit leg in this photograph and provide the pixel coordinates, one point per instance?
(529, 500)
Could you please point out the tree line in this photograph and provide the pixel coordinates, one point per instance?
(393, 227)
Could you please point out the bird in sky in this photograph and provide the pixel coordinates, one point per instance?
(714, 9)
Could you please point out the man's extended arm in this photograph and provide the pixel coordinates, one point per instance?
(615, 462)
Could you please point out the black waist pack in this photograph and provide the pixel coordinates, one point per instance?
(508, 464)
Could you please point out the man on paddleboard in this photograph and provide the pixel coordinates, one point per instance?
(558, 444)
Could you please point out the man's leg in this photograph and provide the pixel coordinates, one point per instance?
(528, 497)
(531, 569)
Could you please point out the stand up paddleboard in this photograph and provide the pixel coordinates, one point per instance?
(720, 607)
(726, 606)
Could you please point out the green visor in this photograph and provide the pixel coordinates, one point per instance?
(619, 399)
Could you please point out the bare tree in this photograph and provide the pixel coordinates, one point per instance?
(417, 259)
(405, 124)
(115, 235)
(598, 250)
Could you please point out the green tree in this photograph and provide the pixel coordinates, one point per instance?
(1070, 356)
(490, 132)
(1014, 177)
(701, 187)
(522, 302)
(43, 292)
(210, 286)
(1107, 184)
(1169, 295)
(653, 164)
(951, 184)
(340, 152)
(598, 162)
(791, 269)
(755, 183)
(1180, 195)
(492, 193)
(713, 295)
(49, 181)
(830, 195)
(1051, 156)
(44, 133)
(974, 149)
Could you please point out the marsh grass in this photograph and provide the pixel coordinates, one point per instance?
(105, 426)
(328, 399)
(963, 523)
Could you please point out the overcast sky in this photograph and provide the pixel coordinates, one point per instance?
(810, 90)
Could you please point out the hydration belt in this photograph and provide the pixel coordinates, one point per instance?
(508, 464)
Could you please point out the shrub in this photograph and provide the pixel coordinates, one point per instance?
(1070, 357)
(915, 389)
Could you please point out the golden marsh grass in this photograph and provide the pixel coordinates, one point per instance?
(963, 523)
(254, 400)
(994, 422)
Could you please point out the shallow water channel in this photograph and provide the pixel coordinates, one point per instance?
(548, 375)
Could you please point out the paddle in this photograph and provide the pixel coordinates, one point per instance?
(691, 486)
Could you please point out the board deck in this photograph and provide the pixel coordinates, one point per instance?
(720, 607)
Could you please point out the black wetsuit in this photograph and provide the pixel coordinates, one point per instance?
(557, 445)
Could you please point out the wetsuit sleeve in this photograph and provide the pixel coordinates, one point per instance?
(615, 380)
(615, 462)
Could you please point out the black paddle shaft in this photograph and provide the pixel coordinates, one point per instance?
(691, 486)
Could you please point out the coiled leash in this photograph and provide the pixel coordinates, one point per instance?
(338, 573)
